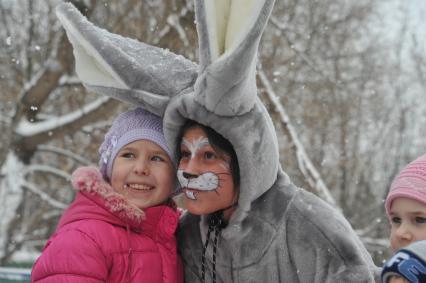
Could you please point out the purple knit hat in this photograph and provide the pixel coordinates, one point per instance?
(130, 126)
(409, 183)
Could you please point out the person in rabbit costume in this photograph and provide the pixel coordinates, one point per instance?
(276, 231)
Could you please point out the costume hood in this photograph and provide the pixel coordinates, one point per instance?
(219, 92)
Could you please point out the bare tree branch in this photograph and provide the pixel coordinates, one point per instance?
(45, 197)
(64, 152)
(32, 134)
(305, 165)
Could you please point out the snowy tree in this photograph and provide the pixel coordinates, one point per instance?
(51, 124)
(352, 91)
(347, 101)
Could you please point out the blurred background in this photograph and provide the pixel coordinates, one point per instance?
(345, 82)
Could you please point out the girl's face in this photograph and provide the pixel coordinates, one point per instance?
(143, 173)
(408, 222)
(205, 174)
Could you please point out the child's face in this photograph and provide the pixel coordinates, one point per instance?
(143, 173)
(204, 174)
(408, 222)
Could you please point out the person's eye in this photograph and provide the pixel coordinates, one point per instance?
(157, 158)
(127, 155)
(185, 153)
(420, 220)
(209, 155)
(396, 220)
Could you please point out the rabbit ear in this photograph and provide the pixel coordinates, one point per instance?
(229, 34)
(123, 68)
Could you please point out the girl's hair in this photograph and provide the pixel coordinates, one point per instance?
(218, 142)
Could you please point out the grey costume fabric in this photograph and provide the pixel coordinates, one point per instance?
(278, 233)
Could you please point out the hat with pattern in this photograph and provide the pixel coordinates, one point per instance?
(409, 183)
(130, 126)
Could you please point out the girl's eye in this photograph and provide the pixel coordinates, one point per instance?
(396, 220)
(209, 155)
(420, 220)
(127, 155)
(157, 158)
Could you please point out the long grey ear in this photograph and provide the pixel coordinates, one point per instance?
(229, 33)
(124, 68)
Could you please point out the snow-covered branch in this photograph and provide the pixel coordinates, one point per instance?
(51, 201)
(47, 169)
(375, 244)
(37, 90)
(27, 129)
(299, 53)
(173, 22)
(305, 164)
(64, 152)
(67, 80)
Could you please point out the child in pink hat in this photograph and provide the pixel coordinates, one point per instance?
(406, 210)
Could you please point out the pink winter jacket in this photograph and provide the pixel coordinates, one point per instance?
(103, 238)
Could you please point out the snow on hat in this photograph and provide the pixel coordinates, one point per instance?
(409, 183)
(130, 126)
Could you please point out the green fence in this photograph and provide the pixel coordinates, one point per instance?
(14, 275)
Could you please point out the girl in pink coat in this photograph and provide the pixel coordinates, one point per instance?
(121, 226)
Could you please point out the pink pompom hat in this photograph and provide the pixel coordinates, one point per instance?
(409, 183)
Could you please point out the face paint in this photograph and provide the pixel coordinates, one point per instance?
(205, 174)
(190, 194)
(205, 182)
(195, 145)
(225, 165)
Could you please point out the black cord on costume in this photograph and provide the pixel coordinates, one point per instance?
(216, 222)
(203, 257)
(216, 234)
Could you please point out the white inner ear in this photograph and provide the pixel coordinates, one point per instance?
(242, 18)
(91, 68)
(229, 21)
(217, 13)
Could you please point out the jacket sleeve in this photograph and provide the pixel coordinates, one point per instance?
(70, 256)
(323, 246)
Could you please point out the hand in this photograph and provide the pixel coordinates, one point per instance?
(397, 279)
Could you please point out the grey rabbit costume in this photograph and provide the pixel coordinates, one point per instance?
(278, 232)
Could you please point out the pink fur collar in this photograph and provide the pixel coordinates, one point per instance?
(89, 180)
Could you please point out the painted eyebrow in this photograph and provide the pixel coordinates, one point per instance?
(195, 145)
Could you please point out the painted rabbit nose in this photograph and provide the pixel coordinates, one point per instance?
(189, 175)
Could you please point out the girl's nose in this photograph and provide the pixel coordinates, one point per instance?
(403, 232)
(141, 168)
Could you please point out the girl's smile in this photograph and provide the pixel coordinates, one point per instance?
(143, 173)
